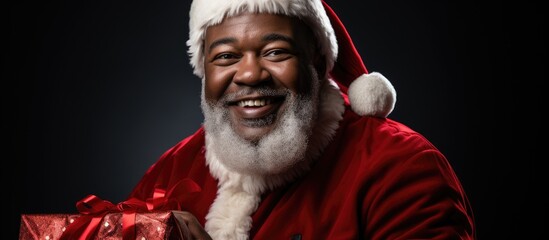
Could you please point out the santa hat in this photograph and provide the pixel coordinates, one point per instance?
(370, 94)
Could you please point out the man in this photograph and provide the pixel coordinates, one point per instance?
(296, 143)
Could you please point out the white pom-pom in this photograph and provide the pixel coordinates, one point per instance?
(372, 95)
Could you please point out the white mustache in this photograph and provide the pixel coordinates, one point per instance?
(263, 91)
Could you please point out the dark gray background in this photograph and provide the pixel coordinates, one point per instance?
(94, 92)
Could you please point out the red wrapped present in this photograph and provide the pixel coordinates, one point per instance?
(100, 219)
(160, 225)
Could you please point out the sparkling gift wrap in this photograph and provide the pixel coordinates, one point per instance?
(149, 219)
(158, 225)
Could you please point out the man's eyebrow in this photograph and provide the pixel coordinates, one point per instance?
(267, 38)
(278, 37)
(221, 42)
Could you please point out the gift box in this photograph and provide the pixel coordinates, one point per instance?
(157, 225)
(149, 219)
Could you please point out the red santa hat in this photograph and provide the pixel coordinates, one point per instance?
(370, 94)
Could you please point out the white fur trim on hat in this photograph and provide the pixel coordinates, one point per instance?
(372, 95)
(205, 13)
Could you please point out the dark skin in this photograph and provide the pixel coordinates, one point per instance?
(248, 51)
(254, 50)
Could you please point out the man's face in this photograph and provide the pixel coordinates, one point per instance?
(254, 64)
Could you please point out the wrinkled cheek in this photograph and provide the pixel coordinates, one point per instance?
(216, 82)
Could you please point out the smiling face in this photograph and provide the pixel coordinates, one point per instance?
(260, 95)
(254, 65)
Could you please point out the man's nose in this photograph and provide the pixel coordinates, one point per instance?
(251, 71)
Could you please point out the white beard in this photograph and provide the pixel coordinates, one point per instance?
(275, 152)
(246, 169)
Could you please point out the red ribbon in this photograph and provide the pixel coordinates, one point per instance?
(93, 209)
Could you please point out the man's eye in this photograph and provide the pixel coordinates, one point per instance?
(275, 52)
(225, 59)
(277, 55)
(224, 56)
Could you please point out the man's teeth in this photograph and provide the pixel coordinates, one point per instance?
(254, 103)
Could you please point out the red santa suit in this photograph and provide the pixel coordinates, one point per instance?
(366, 177)
(377, 179)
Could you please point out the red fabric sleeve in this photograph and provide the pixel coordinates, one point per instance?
(419, 199)
(410, 190)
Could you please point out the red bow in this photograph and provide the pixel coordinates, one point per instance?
(93, 209)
